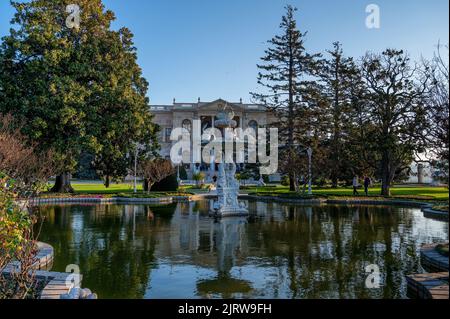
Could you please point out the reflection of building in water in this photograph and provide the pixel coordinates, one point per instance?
(230, 234)
(210, 243)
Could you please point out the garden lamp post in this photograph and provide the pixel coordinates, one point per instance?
(310, 152)
(136, 153)
(135, 169)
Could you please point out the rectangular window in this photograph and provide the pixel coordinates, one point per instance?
(167, 133)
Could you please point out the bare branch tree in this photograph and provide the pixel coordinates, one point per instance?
(396, 92)
(23, 173)
(154, 171)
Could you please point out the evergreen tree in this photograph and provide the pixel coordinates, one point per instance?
(285, 75)
(361, 151)
(336, 83)
(79, 88)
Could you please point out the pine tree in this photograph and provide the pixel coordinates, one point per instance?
(285, 76)
(335, 75)
(361, 150)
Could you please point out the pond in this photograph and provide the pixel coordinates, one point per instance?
(280, 251)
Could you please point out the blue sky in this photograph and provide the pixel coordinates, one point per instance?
(209, 48)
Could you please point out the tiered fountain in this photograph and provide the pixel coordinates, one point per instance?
(227, 203)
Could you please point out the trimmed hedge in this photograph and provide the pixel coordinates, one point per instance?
(169, 184)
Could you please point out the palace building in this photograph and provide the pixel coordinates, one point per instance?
(178, 114)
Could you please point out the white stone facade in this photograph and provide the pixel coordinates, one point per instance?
(177, 115)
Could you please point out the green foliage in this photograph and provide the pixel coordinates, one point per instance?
(168, 184)
(16, 243)
(250, 171)
(13, 221)
(282, 73)
(439, 194)
(79, 89)
(396, 103)
(285, 180)
(183, 173)
(337, 78)
(199, 179)
(442, 170)
(164, 211)
(85, 169)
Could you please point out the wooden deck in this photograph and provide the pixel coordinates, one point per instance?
(428, 286)
(61, 284)
(432, 260)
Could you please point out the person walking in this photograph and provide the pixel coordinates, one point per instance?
(367, 183)
(355, 186)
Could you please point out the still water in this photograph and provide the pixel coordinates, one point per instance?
(280, 251)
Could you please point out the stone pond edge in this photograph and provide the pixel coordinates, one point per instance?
(426, 207)
(59, 285)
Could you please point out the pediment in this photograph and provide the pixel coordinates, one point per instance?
(219, 104)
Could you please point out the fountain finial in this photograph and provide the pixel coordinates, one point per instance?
(225, 118)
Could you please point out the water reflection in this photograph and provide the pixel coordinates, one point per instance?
(281, 251)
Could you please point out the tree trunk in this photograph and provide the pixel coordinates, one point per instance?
(385, 189)
(292, 182)
(386, 178)
(62, 184)
(334, 181)
(107, 181)
(291, 113)
(145, 185)
(336, 132)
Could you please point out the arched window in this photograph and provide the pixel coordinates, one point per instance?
(206, 122)
(187, 124)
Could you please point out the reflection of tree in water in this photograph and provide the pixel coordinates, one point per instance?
(325, 249)
(113, 245)
(307, 252)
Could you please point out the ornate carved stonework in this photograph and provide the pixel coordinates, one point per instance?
(227, 203)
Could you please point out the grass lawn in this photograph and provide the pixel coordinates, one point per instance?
(406, 192)
(119, 190)
(419, 192)
(98, 188)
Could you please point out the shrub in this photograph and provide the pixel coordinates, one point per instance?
(168, 184)
(156, 171)
(16, 243)
(199, 178)
(183, 173)
(285, 180)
